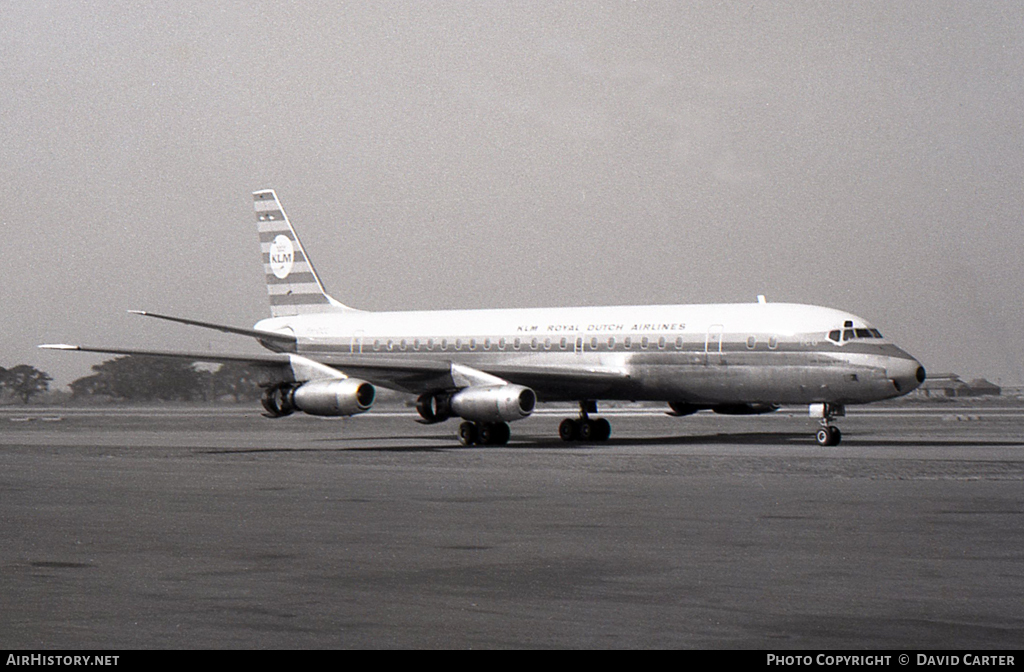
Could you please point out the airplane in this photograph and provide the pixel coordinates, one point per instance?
(492, 367)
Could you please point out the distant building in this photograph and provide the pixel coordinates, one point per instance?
(982, 387)
(950, 385)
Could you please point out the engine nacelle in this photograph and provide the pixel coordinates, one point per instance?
(434, 407)
(278, 401)
(494, 403)
(342, 396)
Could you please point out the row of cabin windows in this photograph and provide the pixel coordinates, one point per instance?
(564, 343)
(519, 343)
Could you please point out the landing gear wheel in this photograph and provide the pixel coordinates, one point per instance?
(585, 429)
(829, 436)
(468, 434)
(493, 434)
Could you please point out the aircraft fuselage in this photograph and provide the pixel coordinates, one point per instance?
(771, 353)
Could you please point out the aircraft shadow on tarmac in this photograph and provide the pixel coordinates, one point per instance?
(524, 443)
(546, 443)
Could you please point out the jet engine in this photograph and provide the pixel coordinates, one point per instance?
(434, 407)
(333, 397)
(494, 403)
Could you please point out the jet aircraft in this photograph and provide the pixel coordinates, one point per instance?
(491, 367)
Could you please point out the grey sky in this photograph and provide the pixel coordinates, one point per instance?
(865, 156)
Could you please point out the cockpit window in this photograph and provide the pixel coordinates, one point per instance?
(848, 334)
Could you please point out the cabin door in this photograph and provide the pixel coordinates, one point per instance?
(713, 344)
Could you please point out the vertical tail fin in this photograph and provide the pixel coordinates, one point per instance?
(292, 282)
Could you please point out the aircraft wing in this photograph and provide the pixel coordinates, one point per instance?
(406, 374)
(268, 360)
(417, 376)
(413, 376)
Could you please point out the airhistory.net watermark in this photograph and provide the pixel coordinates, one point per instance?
(67, 661)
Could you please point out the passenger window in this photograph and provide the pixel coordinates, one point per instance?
(501, 343)
(444, 343)
(533, 344)
(564, 343)
(547, 343)
(773, 342)
(661, 343)
(611, 342)
(593, 343)
(516, 343)
(644, 342)
(679, 342)
(627, 343)
(751, 342)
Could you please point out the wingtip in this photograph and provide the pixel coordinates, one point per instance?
(58, 346)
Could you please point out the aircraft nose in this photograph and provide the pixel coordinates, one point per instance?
(906, 374)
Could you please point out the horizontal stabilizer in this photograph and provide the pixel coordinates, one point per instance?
(279, 341)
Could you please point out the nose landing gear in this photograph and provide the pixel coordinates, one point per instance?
(829, 434)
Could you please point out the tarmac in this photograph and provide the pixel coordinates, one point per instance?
(211, 527)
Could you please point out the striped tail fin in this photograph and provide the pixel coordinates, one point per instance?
(292, 282)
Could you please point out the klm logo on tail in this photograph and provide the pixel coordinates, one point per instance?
(282, 256)
(292, 282)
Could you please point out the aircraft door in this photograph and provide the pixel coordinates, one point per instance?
(357, 343)
(713, 344)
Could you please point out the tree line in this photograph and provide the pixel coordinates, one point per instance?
(139, 378)
(23, 382)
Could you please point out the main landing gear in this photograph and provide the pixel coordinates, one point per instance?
(484, 433)
(829, 434)
(585, 428)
